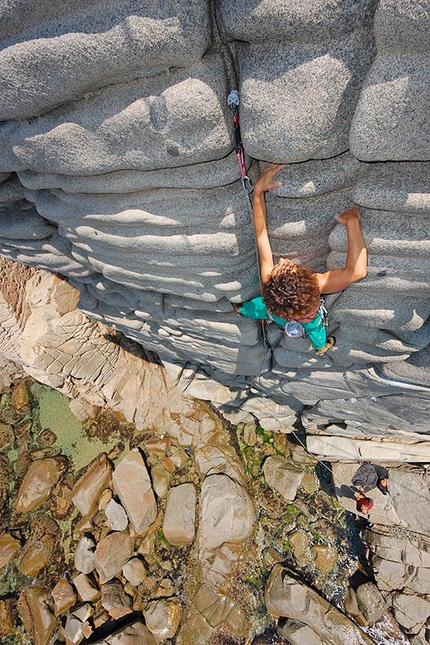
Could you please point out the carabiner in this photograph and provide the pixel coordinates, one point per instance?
(247, 184)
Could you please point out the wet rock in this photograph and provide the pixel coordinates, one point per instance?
(111, 554)
(135, 571)
(86, 587)
(160, 479)
(298, 633)
(38, 483)
(179, 524)
(89, 487)
(5, 474)
(21, 396)
(134, 634)
(9, 547)
(300, 542)
(287, 597)
(7, 436)
(365, 604)
(46, 438)
(116, 515)
(38, 620)
(7, 616)
(324, 557)
(115, 600)
(133, 486)
(282, 476)
(63, 596)
(226, 512)
(162, 617)
(77, 624)
(84, 554)
(37, 551)
(61, 499)
(226, 635)
(218, 608)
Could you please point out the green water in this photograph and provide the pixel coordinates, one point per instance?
(54, 413)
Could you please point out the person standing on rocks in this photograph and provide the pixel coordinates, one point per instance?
(292, 293)
(368, 476)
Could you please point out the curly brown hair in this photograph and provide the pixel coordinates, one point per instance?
(293, 292)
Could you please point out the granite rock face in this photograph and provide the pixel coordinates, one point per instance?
(118, 172)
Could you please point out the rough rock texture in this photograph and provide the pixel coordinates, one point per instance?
(287, 597)
(117, 171)
(129, 477)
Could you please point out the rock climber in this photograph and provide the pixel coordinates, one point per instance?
(291, 292)
(369, 476)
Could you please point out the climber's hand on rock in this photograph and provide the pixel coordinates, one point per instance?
(265, 181)
(351, 214)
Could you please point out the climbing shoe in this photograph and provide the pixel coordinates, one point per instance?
(329, 344)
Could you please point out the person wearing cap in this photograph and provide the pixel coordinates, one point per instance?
(364, 503)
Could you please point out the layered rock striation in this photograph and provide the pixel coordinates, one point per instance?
(118, 172)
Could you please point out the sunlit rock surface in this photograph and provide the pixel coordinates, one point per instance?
(121, 176)
(118, 173)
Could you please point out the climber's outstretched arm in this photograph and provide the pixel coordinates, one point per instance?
(264, 182)
(356, 258)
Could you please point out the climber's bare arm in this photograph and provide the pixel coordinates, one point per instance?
(356, 258)
(264, 183)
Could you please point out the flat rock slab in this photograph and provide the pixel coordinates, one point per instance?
(226, 512)
(286, 596)
(384, 510)
(111, 554)
(179, 524)
(133, 486)
(282, 476)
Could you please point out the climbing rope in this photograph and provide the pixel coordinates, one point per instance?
(233, 101)
(354, 458)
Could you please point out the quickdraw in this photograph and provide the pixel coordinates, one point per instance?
(233, 101)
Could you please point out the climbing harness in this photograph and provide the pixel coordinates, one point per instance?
(233, 101)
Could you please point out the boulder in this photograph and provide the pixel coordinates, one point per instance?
(9, 548)
(133, 634)
(283, 476)
(133, 486)
(84, 554)
(34, 610)
(39, 482)
(111, 553)
(286, 596)
(179, 524)
(63, 596)
(135, 571)
(162, 617)
(116, 515)
(90, 485)
(86, 587)
(226, 512)
(115, 600)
